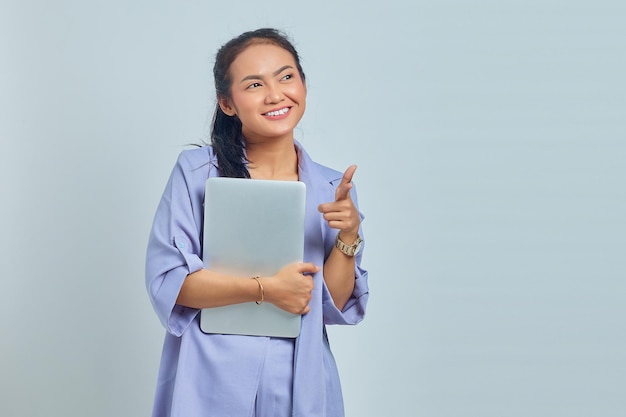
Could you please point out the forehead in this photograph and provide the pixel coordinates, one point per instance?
(260, 59)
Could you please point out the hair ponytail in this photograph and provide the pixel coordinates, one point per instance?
(228, 145)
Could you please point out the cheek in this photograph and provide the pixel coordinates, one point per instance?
(242, 101)
(302, 89)
(299, 92)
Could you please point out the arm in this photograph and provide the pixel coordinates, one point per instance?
(342, 214)
(290, 289)
(339, 273)
(174, 244)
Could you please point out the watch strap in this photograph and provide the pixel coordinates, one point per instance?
(348, 250)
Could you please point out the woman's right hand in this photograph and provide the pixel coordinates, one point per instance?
(290, 289)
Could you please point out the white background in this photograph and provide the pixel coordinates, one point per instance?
(490, 138)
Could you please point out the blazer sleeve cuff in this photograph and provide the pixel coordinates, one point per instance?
(175, 318)
(354, 310)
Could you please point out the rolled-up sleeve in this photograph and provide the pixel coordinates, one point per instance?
(174, 246)
(354, 310)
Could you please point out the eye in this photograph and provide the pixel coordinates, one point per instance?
(253, 85)
(287, 77)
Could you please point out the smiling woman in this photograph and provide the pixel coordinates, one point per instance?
(261, 97)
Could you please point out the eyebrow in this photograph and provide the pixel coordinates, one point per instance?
(259, 77)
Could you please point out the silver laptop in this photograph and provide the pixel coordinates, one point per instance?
(252, 227)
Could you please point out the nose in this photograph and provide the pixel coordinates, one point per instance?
(274, 94)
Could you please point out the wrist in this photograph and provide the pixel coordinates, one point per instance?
(260, 298)
(349, 247)
(267, 283)
(348, 237)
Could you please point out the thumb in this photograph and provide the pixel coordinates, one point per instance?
(343, 189)
(307, 267)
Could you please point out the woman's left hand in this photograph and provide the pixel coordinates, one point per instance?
(342, 214)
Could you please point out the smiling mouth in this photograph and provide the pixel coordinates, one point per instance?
(280, 112)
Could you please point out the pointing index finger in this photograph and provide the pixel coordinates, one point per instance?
(343, 189)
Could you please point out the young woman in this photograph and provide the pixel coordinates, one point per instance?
(261, 97)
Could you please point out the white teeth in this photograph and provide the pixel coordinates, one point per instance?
(277, 112)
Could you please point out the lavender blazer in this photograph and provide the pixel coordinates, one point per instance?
(215, 375)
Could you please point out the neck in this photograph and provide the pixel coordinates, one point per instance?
(273, 161)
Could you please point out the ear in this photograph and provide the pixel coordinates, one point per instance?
(226, 106)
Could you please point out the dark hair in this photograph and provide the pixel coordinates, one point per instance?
(226, 136)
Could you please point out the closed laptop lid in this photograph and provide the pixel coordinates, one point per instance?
(252, 228)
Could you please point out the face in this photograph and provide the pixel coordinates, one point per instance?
(267, 93)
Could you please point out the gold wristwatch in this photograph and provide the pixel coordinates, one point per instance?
(350, 250)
